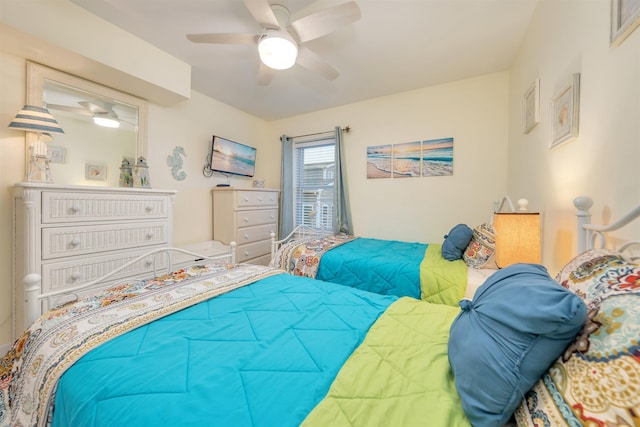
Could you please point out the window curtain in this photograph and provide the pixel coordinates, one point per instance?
(342, 220)
(342, 217)
(285, 225)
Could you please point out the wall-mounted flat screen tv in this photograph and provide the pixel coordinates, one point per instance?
(232, 157)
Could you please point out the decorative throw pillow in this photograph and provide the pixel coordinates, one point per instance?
(503, 341)
(456, 242)
(481, 251)
(597, 381)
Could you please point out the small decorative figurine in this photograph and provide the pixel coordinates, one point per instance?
(141, 174)
(126, 177)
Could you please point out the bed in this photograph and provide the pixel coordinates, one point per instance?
(258, 353)
(391, 267)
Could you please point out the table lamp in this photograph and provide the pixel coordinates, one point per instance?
(517, 236)
(38, 120)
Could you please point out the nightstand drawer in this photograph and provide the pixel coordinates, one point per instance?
(257, 217)
(59, 242)
(60, 275)
(61, 207)
(254, 234)
(246, 199)
(248, 252)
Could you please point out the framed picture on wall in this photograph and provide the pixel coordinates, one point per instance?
(565, 112)
(625, 17)
(532, 106)
(56, 153)
(96, 172)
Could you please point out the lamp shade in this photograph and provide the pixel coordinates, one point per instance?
(35, 119)
(517, 238)
(277, 49)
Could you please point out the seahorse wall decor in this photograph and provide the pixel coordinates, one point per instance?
(174, 161)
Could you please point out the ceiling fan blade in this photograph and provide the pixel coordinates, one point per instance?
(262, 13)
(311, 61)
(94, 107)
(222, 38)
(265, 74)
(75, 110)
(326, 21)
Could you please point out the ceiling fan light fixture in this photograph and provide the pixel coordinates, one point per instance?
(107, 122)
(277, 49)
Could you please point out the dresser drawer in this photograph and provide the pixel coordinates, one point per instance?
(246, 199)
(60, 207)
(87, 239)
(254, 234)
(257, 217)
(59, 275)
(253, 250)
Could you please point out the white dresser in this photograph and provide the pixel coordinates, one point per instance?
(247, 217)
(71, 235)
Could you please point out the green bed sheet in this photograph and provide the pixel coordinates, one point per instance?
(399, 375)
(442, 281)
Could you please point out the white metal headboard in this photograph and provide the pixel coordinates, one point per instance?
(589, 233)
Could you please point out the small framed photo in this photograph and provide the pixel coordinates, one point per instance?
(56, 153)
(532, 106)
(625, 17)
(96, 172)
(565, 112)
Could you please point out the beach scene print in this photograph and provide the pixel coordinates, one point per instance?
(379, 161)
(406, 160)
(437, 157)
(232, 157)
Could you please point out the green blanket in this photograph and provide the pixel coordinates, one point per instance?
(442, 281)
(399, 375)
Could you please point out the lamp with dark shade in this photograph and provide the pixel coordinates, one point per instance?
(37, 119)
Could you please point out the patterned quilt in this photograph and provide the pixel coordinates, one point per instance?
(30, 370)
(302, 257)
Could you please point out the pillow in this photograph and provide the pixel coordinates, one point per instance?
(503, 341)
(480, 253)
(597, 381)
(456, 242)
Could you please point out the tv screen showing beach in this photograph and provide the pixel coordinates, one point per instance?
(232, 157)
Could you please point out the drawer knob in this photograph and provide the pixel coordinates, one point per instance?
(75, 276)
(75, 241)
(246, 219)
(147, 263)
(148, 208)
(246, 199)
(149, 235)
(75, 208)
(246, 253)
(246, 237)
(260, 198)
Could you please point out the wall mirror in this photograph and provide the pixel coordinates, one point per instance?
(87, 153)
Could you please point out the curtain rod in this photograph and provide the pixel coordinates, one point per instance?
(346, 129)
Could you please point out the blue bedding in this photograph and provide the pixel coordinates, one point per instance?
(221, 362)
(386, 267)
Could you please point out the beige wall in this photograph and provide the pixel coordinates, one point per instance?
(568, 37)
(473, 112)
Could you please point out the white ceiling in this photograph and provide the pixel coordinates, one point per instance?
(397, 45)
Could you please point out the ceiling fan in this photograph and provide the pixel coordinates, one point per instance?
(281, 43)
(102, 112)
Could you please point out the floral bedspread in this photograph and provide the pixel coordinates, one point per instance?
(29, 372)
(302, 257)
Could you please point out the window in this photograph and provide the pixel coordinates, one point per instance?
(314, 180)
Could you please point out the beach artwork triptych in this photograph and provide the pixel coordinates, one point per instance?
(432, 157)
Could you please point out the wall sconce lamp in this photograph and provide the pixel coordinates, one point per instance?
(517, 235)
(38, 120)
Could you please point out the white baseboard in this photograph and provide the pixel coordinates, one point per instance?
(4, 348)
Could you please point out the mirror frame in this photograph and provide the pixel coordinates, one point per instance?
(36, 76)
